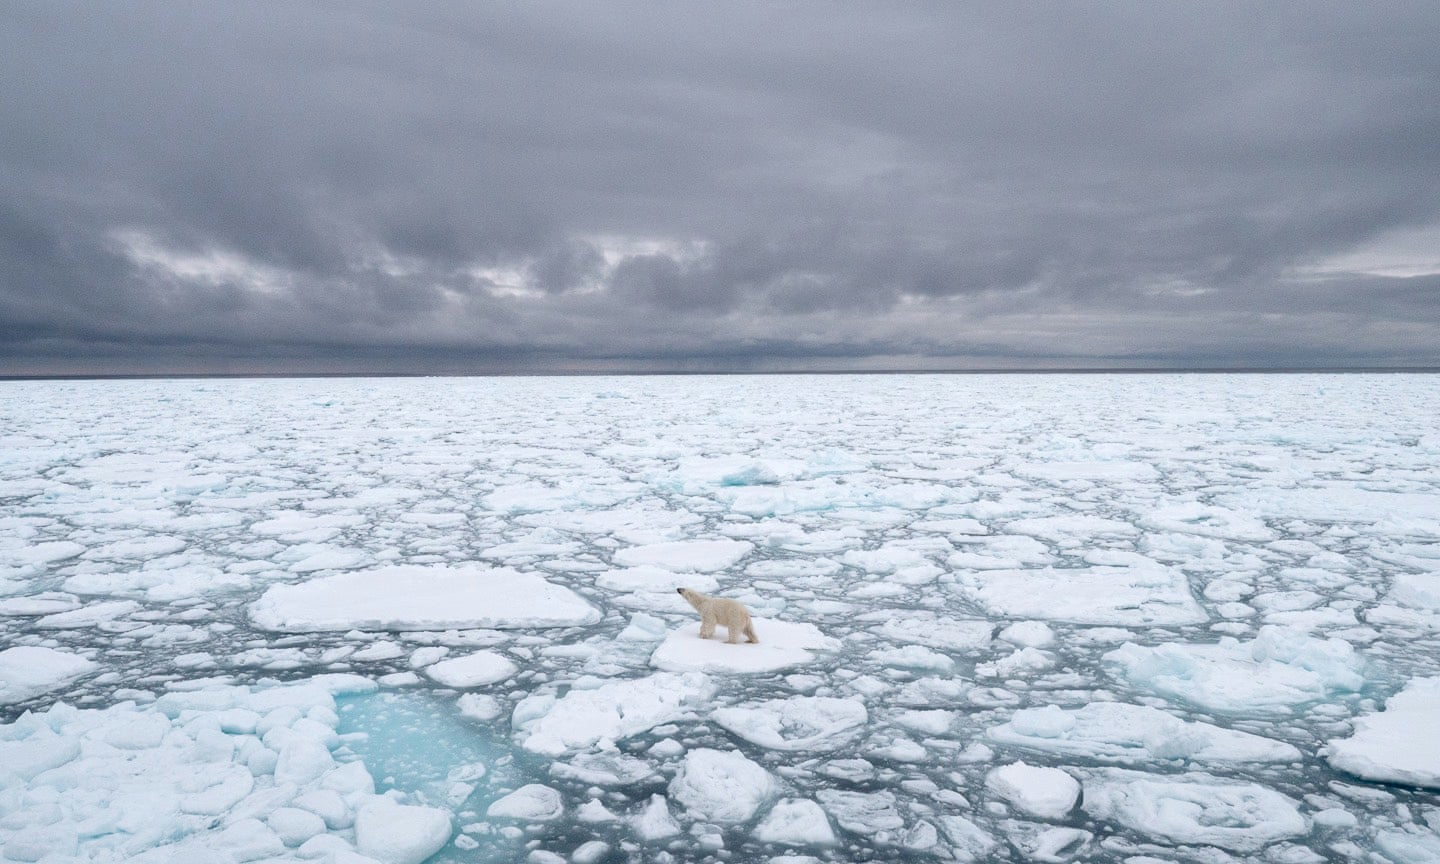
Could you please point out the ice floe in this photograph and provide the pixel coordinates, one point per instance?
(548, 724)
(782, 645)
(803, 723)
(1278, 671)
(27, 672)
(1128, 734)
(1144, 594)
(1193, 808)
(1398, 745)
(408, 597)
(721, 786)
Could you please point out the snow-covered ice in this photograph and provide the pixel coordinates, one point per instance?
(1398, 745)
(782, 645)
(1058, 618)
(408, 597)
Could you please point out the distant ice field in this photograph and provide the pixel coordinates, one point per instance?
(1009, 618)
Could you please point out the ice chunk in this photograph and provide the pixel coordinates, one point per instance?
(530, 803)
(1133, 734)
(1282, 668)
(655, 821)
(796, 822)
(87, 616)
(868, 813)
(947, 634)
(808, 723)
(721, 786)
(27, 672)
(1193, 808)
(1399, 744)
(400, 834)
(473, 670)
(913, 657)
(1028, 634)
(1046, 793)
(783, 644)
(1143, 594)
(612, 711)
(411, 597)
(701, 556)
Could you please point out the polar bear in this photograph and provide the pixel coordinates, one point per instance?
(731, 614)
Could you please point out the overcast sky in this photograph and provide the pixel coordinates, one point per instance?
(406, 187)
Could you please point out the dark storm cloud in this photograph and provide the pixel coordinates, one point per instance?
(411, 187)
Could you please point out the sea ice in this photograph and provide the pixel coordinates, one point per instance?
(27, 672)
(1281, 669)
(409, 597)
(1193, 808)
(1133, 734)
(782, 644)
(472, 670)
(1149, 594)
(721, 786)
(1398, 745)
(1045, 793)
(530, 803)
(796, 822)
(610, 712)
(805, 723)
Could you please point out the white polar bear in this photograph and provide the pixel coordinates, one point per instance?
(731, 614)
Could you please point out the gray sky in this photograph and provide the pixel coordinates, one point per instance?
(396, 187)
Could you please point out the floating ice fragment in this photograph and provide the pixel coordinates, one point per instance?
(1282, 668)
(473, 670)
(1152, 594)
(410, 597)
(809, 723)
(783, 644)
(611, 712)
(530, 803)
(721, 786)
(1399, 744)
(27, 672)
(1133, 734)
(1046, 793)
(655, 821)
(796, 822)
(913, 657)
(400, 834)
(1193, 808)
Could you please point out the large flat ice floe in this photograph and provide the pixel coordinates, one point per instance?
(1279, 670)
(782, 645)
(27, 672)
(1193, 808)
(1118, 732)
(407, 597)
(1398, 745)
(1138, 595)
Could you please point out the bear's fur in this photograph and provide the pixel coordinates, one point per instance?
(730, 614)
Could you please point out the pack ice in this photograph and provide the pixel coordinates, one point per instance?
(1053, 618)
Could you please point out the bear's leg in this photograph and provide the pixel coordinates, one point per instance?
(732, 634)
(707, 626)
(750, 633)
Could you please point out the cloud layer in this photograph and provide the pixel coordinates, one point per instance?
(569, 186)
